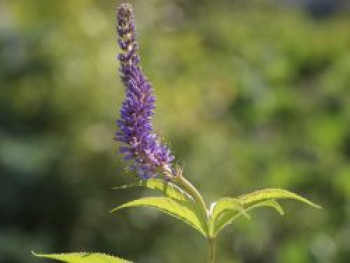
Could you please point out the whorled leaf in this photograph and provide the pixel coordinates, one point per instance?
(167, 188)
(83, 258)
(185, 210)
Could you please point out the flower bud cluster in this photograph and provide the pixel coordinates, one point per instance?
(141, 145)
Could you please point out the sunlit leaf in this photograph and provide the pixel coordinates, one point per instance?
(272, 194)
(228, 216)
(268, 203)
(186, 211)
(167, 188)
(227, 210)
(221, 206)
(225, 204)
(83, 258)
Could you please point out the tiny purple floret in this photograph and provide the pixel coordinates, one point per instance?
(140, 144)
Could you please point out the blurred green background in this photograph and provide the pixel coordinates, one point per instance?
(251, 94)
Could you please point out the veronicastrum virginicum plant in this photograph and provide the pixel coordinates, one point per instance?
(151, 160)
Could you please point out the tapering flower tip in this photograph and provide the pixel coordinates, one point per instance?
(141, 145)
(126, 33)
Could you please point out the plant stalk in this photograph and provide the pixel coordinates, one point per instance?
(212, 247)
(194, 192)
(182, 181)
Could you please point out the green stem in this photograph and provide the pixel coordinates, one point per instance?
(199, 199)
(194, 192)
(211, 243)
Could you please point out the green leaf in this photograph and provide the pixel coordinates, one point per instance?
(221, 206)
(267, 194)
(83, 258)
(229, 215)
(268, 203)
(225, 204)
(167, 188)
(228, 210)
(186, 211)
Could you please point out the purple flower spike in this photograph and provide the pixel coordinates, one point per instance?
(150, 157)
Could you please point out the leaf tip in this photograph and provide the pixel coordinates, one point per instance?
(120, 187)
(113, 210)
(246, 215)
(36, 254)
(317, 206)
(312, 204)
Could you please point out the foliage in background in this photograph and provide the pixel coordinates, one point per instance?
(249, 96)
